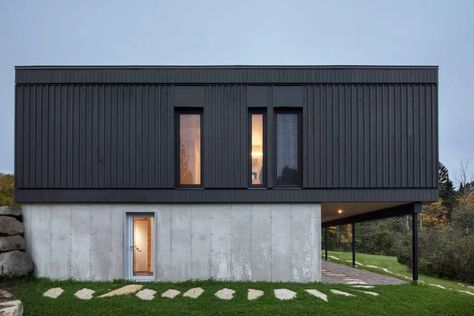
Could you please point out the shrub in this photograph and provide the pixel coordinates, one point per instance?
(446, 253)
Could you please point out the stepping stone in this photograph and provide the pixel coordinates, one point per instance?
(124, 290)
(84, 294)
(467, 292)
(254, 294)
(355, 282)
(54, 292)
(318, 294)
(336, 274)
(337, 292)
(170, 293)
(146, 294)
(370, 293)
(357, 263)
(194, 292)
(225, 294)
(438, 286)
(371, 266)
(363, 286)
(284, 294)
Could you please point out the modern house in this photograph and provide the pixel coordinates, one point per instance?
(224, 172)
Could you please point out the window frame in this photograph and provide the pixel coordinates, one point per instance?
(299, 122)
(249, 148)
(178, 113)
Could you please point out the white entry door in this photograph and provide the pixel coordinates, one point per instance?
(141, 246)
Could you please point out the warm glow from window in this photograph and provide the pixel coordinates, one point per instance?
(142, 246)
(190, 149)
(256, 153)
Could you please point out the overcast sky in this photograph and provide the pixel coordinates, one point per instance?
(42, 32)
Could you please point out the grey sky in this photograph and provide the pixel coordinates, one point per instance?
(249, 32)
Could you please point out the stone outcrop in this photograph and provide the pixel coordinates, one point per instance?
(12, 243)
(11, 308)
(14, 261)
(9, 305)
(10, 226)
(10, 211)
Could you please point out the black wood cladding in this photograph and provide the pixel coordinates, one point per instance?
(116, 135)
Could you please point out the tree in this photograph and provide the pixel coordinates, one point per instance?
(466, 190)
(447, 193)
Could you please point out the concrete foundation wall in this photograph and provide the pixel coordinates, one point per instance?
(270, 242)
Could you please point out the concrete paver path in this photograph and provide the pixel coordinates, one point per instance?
(339, 273)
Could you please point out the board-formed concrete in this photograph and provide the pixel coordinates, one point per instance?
(258, 242)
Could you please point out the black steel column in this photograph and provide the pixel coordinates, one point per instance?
(353, 245)
(326, 243)
(416, 211)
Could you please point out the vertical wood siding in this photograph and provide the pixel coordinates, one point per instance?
(122, 135)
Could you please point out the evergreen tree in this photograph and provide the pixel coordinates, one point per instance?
(447, 193)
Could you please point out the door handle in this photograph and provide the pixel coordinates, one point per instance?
(132, 247)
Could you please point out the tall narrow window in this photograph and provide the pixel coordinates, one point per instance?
(288, 147)
(257, 149)
(189, 150)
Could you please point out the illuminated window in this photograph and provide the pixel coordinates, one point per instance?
(257, 149)
(189, 150)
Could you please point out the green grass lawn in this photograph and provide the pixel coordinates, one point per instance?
(392, 300)
(392, 265)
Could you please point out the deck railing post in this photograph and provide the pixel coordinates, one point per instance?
(416, 210)
(353, 246)
(326, 243)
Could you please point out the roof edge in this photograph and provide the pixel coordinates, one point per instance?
(227, 66)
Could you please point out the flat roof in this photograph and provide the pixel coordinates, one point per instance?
(209, 74)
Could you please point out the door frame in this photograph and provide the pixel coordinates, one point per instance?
(129, 242)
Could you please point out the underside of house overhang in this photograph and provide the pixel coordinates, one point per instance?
(333, 214)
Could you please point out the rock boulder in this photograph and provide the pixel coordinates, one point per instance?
(12, 243)
(11, 308)
(10, 211)
(10, 226)
(15, 263)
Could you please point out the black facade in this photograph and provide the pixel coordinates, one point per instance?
(108, 134)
